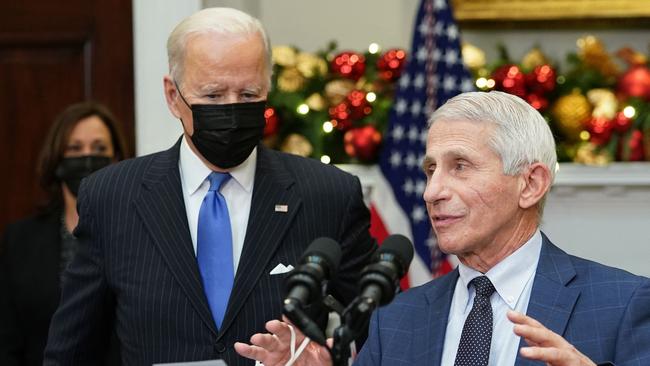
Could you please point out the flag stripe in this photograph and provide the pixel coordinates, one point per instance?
(434, 73)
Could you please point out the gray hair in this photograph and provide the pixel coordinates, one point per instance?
(218, 20)
(522, 136)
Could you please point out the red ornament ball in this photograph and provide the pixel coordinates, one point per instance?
(348, 64)
(362, 142)
(358, 105)
(541, 80)
(537, 101)
(272, 122)
(635, 146)
(622, 123)
(510, 79)
(341, 116)
(391, 64)
(635, 82)
(600, 129)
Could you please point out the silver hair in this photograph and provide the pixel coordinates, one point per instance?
(522, 136)
(218, 20)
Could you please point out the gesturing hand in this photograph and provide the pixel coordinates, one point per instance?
(274, 349)
(544, 344)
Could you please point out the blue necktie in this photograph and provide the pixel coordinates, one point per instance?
(214, 248)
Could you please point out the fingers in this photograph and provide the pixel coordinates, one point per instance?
(545, 345)
(281, 330)
(251, 352)
(546, 354)
(534, 332)
(519, 318)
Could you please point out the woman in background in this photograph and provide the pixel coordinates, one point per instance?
(35, 251)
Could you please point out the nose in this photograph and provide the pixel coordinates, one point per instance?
(231, 98)
(87, 149)
(437, 187)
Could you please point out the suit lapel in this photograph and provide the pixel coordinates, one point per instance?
(551, 301)
(439, 302)
(162, 209)
(266, 227)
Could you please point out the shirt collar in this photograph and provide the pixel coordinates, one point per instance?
(194, 171)
(511, 275)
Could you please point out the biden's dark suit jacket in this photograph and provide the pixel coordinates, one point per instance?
(604, 312)
(136, 262)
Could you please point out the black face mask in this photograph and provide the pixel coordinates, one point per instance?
(72, 170)
(226, 134)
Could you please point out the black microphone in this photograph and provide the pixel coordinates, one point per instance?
(380, 280)
(305, 284)
(319, 261)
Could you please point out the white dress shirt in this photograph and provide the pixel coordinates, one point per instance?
(513, 280)
(238, 192)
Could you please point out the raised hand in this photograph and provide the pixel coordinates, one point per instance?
(544, 344)
(274, 348)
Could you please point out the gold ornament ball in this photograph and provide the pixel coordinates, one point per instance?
(571, 111)
(290, 80)
(592, 52)
(604, 102)
(337, 90)
(534, 58)
(316, 102)
(473, 56)
(284, 56)
(590, 154)
(297, 144)
(310, 65)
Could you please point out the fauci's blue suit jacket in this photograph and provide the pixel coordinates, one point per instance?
(604, 312)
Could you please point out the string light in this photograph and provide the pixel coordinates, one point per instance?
(325, 159)
(373, 48)
(303, 109)
(629, 111)
(371, 97)
(328, 127)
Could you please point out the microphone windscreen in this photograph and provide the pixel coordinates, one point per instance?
(326, 248)
(400, 246)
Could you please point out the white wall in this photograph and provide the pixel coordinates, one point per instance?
(155, 128)
(603, 222)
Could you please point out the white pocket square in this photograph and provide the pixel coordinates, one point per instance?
(280, 269)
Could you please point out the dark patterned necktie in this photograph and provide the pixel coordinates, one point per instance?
(474, 347)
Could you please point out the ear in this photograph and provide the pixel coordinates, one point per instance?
(536, 181)
(171, 95)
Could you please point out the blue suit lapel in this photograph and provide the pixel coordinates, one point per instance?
(551, 300)
(266, 227)
(438, 304)
(162, 209)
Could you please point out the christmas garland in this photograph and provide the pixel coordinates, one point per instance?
(334, 105)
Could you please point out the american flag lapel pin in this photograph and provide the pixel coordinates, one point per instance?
(281, 208)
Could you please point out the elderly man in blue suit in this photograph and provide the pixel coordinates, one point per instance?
(490, 161)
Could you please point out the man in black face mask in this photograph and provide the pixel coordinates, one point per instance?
(186, 248)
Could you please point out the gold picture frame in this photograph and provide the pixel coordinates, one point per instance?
(626, 13)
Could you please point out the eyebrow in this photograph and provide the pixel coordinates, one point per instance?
(456, 153)
(218, 87)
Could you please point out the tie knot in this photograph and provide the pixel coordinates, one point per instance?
(483, 286)
(217, 180)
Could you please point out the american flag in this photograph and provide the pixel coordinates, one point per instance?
(434, 73)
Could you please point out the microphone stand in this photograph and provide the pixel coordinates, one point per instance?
(307, 326)
(354, 319)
